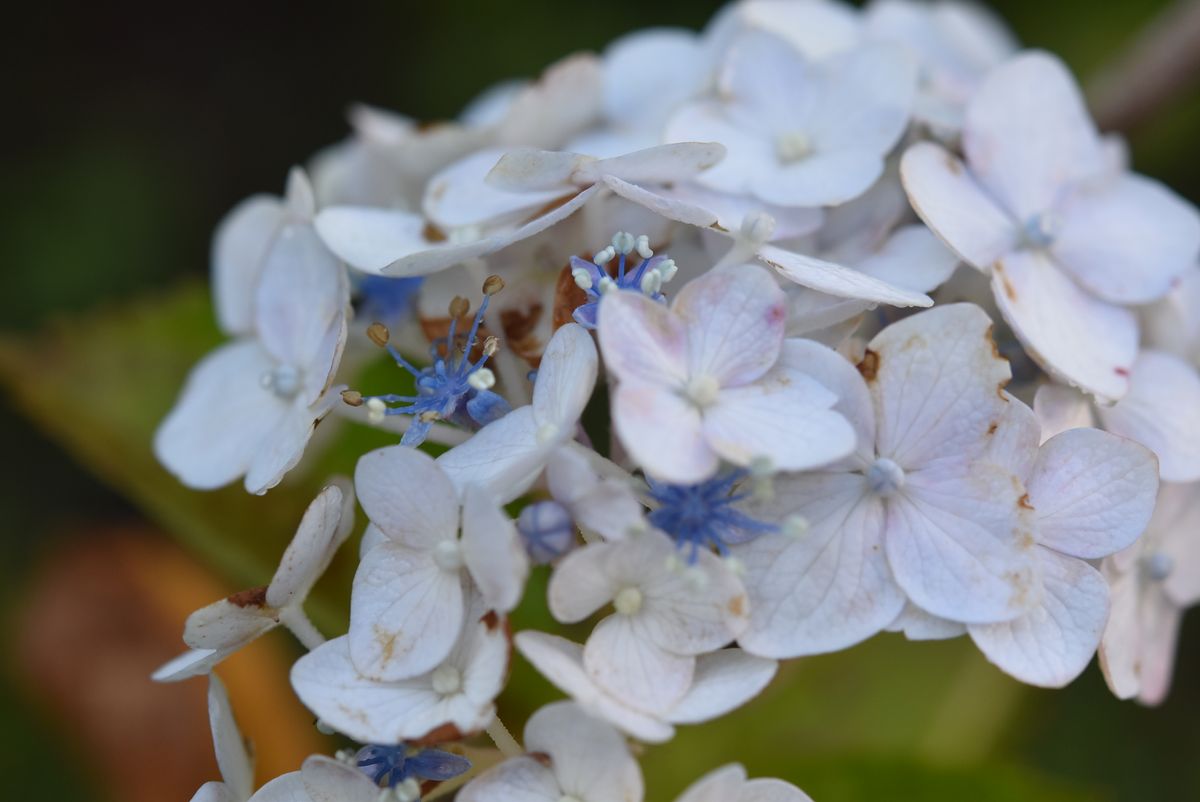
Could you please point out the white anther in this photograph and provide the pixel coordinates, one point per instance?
(793, 146)
(758, 227)
(407, 791)
(667, 269)
(736, 566)
(623, 242)
(605, 255)
(346, 756)
(795, 526)
(628, 601)
(547, 432)
(448, 555)
(651, 282)
(1158, 566)
(702, 390)
(446, 680)
(642, 246)
(583, 278)
(607, 285)
(885, 478)
(482, 379)
(376, 410)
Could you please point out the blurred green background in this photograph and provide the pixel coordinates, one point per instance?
(132, 129)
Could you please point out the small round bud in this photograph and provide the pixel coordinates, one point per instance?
(492, 285)
(459, 307)
(352, 398)
(378, 334)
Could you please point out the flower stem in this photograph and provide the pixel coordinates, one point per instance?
(398, 424)
(508, 745)
(507, 363)
(294, 618)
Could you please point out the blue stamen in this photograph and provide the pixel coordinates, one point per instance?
(592, 277)
(387, 299)
(704, 515)
(388, 766)
(444, 389)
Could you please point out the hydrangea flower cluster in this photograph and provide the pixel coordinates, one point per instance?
(756, 240)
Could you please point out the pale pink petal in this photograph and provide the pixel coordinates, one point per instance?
(827, 588)
(954, 206)
(1053, 643)
(1013, 444)
(565, 379)
(1129, 240)
(960, 544)
(1028, 133)
(867, 99)
(1093, 492)
(642, 340)
(650, 69)
(934, 378)
(735, 319)
(565, 100)
(407, 496)
(836, 280)
(405, 612)
(1161, 411)
(689, 611)
(911, 258)
(662, 433)
(1137, 652)
(825, 178)
(661, 164)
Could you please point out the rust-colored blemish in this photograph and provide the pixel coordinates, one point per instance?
(432, 233)
(440, 735)
(869, 366)
(1023, 502)
(737, 606)
(254, 597)
(387, 643)
(490, 620)
(520, 327)
(1009, 290)
(991, 429)
(1122, 372)
(567, 298)
(541, 757)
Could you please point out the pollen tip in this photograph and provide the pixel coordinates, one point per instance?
(492, 285)
(378, 334)
(459, 307)
(352, 398)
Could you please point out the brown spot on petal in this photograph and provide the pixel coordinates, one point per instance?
(520, 326)
(541, 757)
(1023, 502)
(254, 597)
(490, 620)
(387, 643)
(1122, 372)
(952, 164)
(869, 366)
(737, 605)
(1009, 290)
(432, 233)
(991, 429)
(440, 735)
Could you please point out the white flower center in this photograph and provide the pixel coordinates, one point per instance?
(1041, 230)
(702, 390)
(283, 380)
(793, 146)
(628, 601)
(546, 433)
(757, 227)
(448, 555)
(1158, 566)
(446, 680)
(885, 478)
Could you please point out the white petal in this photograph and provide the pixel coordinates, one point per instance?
(229, 624)
(662, 203)
(237, 767)
(406, 494)
(518, 779)
(322, 530)
(561, 661)
(1053, 643)
(724, 681)
(565, 379)
(842, 282)
(652, 69)
(283, 444)
(822, 179)
(911, 258)
(916, 624)
(641, 339)
(303, 292)
(816, 29)
(1027, 133)
(215, 792)
(503, 457)
(1129, 240)
(954, 206)
(689, 611)
(1013, 444)
(240, 247)
(662, 433)
(217, 426)
(869, 93)
(192, 663)
(370, 239)
(1060, 408)
(828, 588)
(839, 376)
(784, 417)
(589, 758)
(731, 210)
(492, 550)
(581, 584)
(1176, 520)
(605, 506)
(633, 669)
(661, 164)
(405, 613)
(1093, 492)
(749, 153)
(771, 790)
(565, 100)
(960, 544)
(720, 785)
(328, 780)
(936, 376)
(735, 320)
(284, 788)
(1162, 412)
(459, 196)
(528, 170)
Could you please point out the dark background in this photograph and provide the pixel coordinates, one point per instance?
(132, 128)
